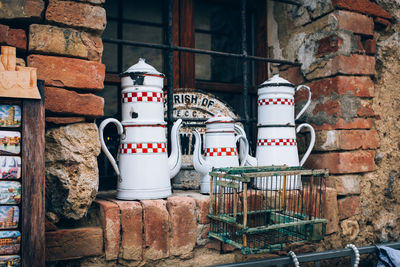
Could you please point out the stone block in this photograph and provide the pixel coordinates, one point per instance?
(202, 231)
(66, 102)
(345, 185)
(68, 72)
(21, 10)
(362, 6)
(348, 206)
(343, 162)
(346, 140)
(64, 120)
(350, 229)
(330, 211)
(50, 39)
(72, 176)
(351, 65)
(94, 2)
(76, 15)
(156, 229)
(74, 243)
(132, 229)
(183, 223)
(355, 22)
(110, 218)
(13, 37)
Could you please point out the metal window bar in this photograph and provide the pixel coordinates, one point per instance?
(315, 257)
(170, 48)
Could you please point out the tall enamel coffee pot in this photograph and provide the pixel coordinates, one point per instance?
(144, 168)
(276, 136)
(220, 148)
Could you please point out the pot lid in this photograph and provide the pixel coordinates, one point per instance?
(142, 68)
(220, 118)
(276, 81)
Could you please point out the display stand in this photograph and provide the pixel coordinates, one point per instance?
(22, 127)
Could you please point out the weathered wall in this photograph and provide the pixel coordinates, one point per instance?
(62, 39)
(349, 53)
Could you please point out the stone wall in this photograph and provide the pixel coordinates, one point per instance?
(62, 39)
(347, 57)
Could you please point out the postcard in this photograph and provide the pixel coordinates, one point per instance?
(10, 142)
(10, 116)
(9, 217)
(10, 192)
(10, 260)
(10, 242)
(10, 167)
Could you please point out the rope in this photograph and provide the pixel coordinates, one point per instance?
(294, 258)
(356, 252)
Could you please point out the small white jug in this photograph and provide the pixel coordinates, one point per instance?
(220, 148)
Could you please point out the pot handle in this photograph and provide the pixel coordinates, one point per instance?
(246, 148)
(103, 144)
(308, 101)
(312, 141)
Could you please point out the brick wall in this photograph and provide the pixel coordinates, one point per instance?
(62, 39)
(338, 50)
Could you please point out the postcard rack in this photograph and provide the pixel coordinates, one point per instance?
(262, 209)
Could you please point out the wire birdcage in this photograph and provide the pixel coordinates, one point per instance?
(261, 209)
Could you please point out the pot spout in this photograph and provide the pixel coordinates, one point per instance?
(175, 159)
(199, 163)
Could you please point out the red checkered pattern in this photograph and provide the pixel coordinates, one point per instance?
(143, 148)
(276, 101)
(221, 151)
(276, 142)
(142, 97)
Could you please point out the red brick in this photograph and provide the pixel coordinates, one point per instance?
(366, 110)
(182, 212)
(357, 123)
(330, 210)
(22, 10)
(329, 45)
(354, 22)
(362, 6)
(370, 46)
(132, 229)
(68, 72)
(202, 204)
(156, 229)
(343, 162)
(64, 120)
(357, 45)
(293, 75)
(77, 15)
(13, 37)
(358, 139)
(382, 23)
(354, 65)
(345, 184)
(330, 107)
(61, 101)
(110, 218)
(74, 243)
(348, 206)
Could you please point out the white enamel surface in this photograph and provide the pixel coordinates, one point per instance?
(142, 67)
(279, 114)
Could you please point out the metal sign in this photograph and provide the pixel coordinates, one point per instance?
(195, 107)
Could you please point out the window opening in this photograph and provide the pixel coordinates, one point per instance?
(172, 35)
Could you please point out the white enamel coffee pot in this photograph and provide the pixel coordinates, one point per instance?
(144, 168)
(142, 95)
(276, 102)
(220, 148)
(278, 146)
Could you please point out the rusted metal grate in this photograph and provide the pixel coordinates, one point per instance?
(261, 209)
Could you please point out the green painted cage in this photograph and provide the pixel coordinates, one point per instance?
(262, 209)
